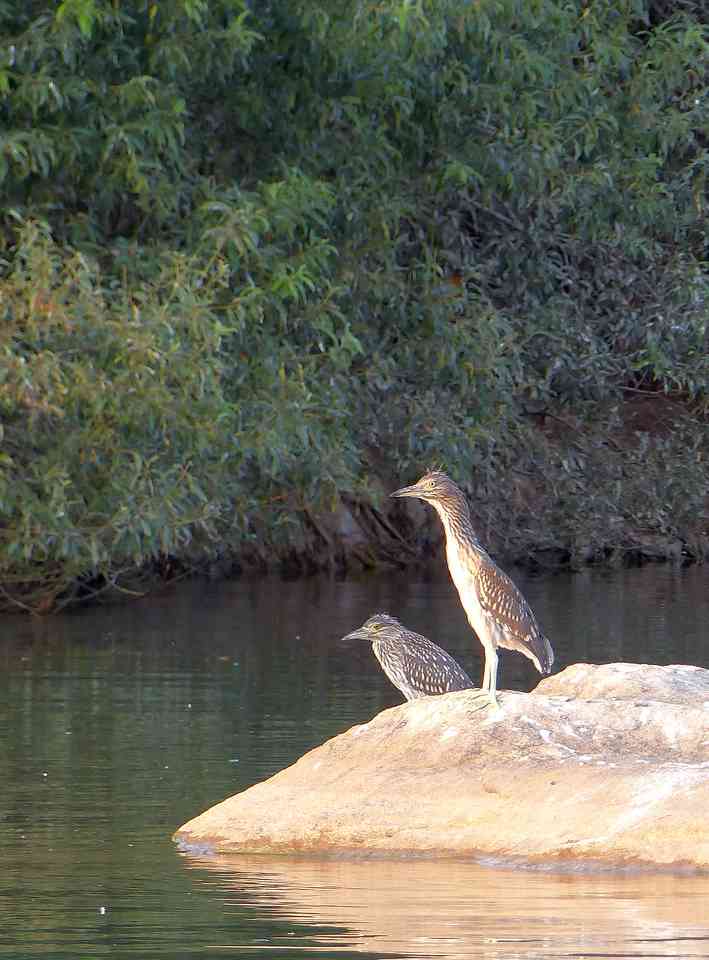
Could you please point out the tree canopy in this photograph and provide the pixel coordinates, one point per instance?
(251, 252)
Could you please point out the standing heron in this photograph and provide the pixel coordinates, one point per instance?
(415, 665)
(497, 611)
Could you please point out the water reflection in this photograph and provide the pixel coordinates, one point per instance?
(422, 908)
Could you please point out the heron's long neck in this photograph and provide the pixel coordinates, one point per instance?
(455, 517)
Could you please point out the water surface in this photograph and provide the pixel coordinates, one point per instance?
(118, 724)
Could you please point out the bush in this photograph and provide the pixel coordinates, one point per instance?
(253, 252)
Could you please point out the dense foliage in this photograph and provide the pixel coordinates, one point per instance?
(255, 254)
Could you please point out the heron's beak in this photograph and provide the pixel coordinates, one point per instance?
(359, 634)
(412, 491)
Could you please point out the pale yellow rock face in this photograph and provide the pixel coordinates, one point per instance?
(600, 763)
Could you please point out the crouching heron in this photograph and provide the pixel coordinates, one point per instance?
(415, 665)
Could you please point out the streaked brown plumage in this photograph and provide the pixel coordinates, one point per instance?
(415, 665)
(497, 611)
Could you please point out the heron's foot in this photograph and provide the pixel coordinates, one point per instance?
(494, 703)
(486, 699)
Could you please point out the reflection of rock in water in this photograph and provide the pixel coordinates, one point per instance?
(547, 778)
(425, 908)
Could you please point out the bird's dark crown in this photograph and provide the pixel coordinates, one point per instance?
(381, 621)
(379, 624)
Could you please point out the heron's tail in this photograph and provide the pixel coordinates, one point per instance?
(542, 654)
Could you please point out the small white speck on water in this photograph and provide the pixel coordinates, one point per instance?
(234, 760)
(189, 706)
(102, 911)
(45, 774)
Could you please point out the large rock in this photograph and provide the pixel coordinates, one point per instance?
(620, 778)
(630, 681)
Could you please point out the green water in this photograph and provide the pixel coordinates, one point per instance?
(118, 724)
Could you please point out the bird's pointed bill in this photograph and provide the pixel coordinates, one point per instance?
(412, 491)
(361, 633)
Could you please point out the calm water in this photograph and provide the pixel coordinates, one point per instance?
(118, 724)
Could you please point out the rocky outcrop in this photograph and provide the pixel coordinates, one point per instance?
(683, 685)
(601, 763)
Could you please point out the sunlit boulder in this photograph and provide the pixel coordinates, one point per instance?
(602, 764)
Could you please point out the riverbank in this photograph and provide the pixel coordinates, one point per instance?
(627, 486)
(621, 485)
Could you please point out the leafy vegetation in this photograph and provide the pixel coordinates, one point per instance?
(257, 255)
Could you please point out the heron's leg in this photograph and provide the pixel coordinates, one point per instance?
(489, 676)
(491, 665)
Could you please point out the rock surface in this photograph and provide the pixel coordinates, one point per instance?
(630, 681)
(600, 763)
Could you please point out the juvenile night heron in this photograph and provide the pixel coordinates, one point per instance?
(415, 665)
(497, 611)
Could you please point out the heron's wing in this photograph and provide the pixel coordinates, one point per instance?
(416, 665)
(502, 602)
